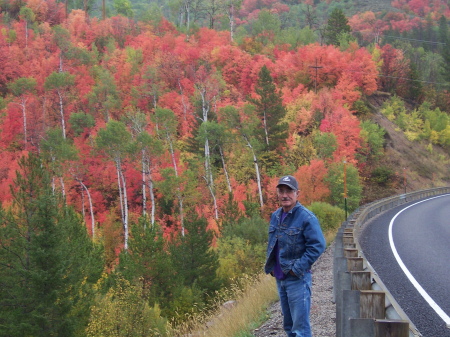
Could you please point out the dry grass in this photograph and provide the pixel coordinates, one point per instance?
(250, 304)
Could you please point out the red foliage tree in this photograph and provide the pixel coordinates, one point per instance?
(394, 69)
(311, 182)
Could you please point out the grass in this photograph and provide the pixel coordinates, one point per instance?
(247, 312)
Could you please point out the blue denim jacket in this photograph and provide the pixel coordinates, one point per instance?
(300, 240)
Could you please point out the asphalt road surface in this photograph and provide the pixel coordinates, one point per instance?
(409, 248)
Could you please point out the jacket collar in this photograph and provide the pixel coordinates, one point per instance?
(293, 209)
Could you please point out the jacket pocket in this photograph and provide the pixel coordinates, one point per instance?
(293, 235)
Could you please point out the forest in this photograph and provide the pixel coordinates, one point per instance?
(141, 144)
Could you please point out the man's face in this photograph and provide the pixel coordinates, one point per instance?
(287, 197)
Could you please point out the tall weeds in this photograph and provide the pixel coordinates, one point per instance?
(250, 298)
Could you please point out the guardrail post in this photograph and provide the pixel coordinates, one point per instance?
(350, 252)
(372, 304)
(355, 264)
(347, 239)
(361, 280)
(386, 328)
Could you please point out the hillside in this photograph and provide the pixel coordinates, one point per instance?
(423, 169)
(361, 6)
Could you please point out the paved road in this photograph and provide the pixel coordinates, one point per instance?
(409, 248)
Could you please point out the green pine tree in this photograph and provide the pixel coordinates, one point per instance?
(337, 26)
(48, 262)
(415, 87)
(445, 38)
(443, 29)
(271, 111)
(193, 257)
(148, 262)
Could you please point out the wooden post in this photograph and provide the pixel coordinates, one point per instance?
(347, 238)
(361, 281)
(355, 264)
(387, 328)
(350, 252)
(372, 304)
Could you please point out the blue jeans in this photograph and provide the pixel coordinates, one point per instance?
(295, 299)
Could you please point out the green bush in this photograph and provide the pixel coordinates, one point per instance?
(237, 257)
(252, 229)
(382, 175)
(122, 311)
(330, 217)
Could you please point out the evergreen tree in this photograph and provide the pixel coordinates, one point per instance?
(444, 37)
(48, 262)
(336, 26)
(443, 29)
(148, 262)
(194, 259)
(415, 88)
(271, 111)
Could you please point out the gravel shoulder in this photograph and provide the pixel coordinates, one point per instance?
(323, 310)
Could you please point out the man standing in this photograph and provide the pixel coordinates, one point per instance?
(295, 242)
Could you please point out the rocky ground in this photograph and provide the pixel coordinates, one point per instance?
(323, 310)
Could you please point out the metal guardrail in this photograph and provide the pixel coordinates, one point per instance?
(364, 306)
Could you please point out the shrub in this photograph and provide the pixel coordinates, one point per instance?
(238, 257)
(330, 217)
(382, 175)
(252, 229)
(124, 312)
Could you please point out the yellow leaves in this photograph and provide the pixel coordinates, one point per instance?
(122, 311)
(444, 137)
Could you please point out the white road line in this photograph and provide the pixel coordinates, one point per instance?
(411, 278)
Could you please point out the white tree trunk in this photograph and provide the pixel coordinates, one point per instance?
(258, 176)
(83, 211)
(144, 175)
(119, 185)
(152, 199)
(179, 196)
(225, 169)
(172, 154)
(123, 201)
(231, 19)
(208, 171)
(265, 129)
(216, 213)
(61, 62)
(147, 182)
(180, 201)
(24, 115)
(53, 185)
(26, 34)
(63, 187)
(125, 207)
(91, 207)
(183, 102)
(61, 111)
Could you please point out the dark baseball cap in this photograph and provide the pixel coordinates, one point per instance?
(289, 181)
